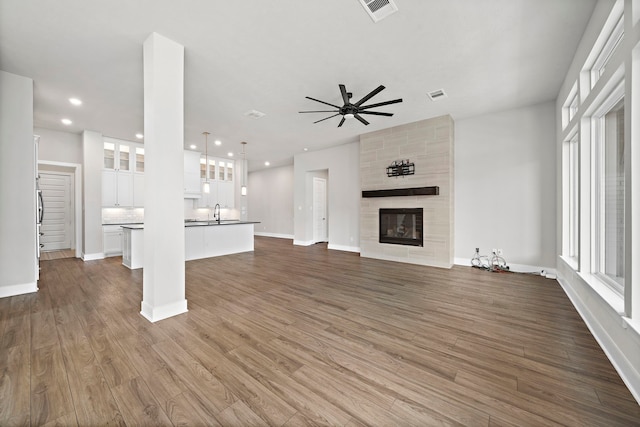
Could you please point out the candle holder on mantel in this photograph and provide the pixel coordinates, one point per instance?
(401, 168)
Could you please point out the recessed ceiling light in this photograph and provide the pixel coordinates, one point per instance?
(66, 122)
(192, 146)
(139, 135)
(230, 154)
(217, 142)
(306, 149)
(75, 101)
(267, 163)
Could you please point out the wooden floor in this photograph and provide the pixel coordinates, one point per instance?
(292, 336)
(58, 254)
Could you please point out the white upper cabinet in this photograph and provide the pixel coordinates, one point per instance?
(122, 174)
(219, 173)
(192, 170)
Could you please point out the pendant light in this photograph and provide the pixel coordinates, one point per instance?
(205, 186)
(243, 189)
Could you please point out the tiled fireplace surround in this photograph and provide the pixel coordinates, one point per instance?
(428, 144)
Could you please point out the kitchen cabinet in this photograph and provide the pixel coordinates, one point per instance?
(192, 186)
(226, 195)
(220, 174)
(111, 240)
(117, 188)
(138, 190)
(208, 200)
(122, 174)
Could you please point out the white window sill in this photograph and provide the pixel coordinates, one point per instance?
(606, 293)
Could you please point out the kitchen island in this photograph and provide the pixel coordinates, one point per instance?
(202, 239)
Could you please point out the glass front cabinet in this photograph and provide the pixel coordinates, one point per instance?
(122, 174)
(219, 174)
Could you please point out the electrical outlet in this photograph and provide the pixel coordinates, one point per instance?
(493, 251)
(499, 252)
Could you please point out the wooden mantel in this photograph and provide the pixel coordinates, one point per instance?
(416, 191)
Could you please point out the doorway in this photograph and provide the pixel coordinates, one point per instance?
(58, 218)
(319, 210)
(74, 172)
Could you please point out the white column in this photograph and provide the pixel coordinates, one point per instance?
(163, 275)
(17, 187)
(92, 158)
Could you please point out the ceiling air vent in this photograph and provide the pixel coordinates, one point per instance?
(254, 114)
(437, 95)
(379, 9)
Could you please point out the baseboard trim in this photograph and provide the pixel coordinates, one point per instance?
(276, 235)
(154, 314)
(343, 248)
(13, 290)
(516, 268)
(625, 368)
(303, 242)
(92, 257)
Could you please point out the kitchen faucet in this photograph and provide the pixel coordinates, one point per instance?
(216, 208)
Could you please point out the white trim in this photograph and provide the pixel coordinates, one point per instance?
(276, 235)
(515, 268)
(405, 260)
(93, 257)
(343, 248)
(303, 242)
(154, 314)
(13, 290)
(625, 368)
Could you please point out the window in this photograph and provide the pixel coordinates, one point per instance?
(572, 195)
(613, 38)
(570, 106)
(609, 196)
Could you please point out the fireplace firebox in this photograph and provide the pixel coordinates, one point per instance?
(401, 226)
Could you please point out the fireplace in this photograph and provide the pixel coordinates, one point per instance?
(401, 226)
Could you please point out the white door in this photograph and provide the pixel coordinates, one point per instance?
(57, 223)
(319, 209)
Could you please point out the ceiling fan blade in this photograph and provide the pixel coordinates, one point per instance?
(326, 118)
(380, 104)
(345, 97)
(320, 111)
(357, 116)
(369, 96)
(322, 102)
(376, 113)
(341, 122)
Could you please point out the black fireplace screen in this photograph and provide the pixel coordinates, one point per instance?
(401, 226)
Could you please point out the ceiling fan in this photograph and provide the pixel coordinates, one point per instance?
(349, 110)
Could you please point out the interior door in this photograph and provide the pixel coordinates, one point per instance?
(57, 224)
(319, 209)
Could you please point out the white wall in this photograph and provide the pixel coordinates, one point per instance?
(270, 201)
(17, 187)
(92, 155)
(505, 192)
(58, 146)
(343, 194)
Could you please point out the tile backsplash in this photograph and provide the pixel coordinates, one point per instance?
(122, 215)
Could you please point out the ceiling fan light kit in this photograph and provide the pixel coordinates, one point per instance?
(351, 110)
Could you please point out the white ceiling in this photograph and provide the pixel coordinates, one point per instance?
(488, 55)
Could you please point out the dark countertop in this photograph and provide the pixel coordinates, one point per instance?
(196, 224)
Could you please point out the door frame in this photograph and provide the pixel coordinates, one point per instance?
(70, 212)
(76, 170)
(318, 239)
